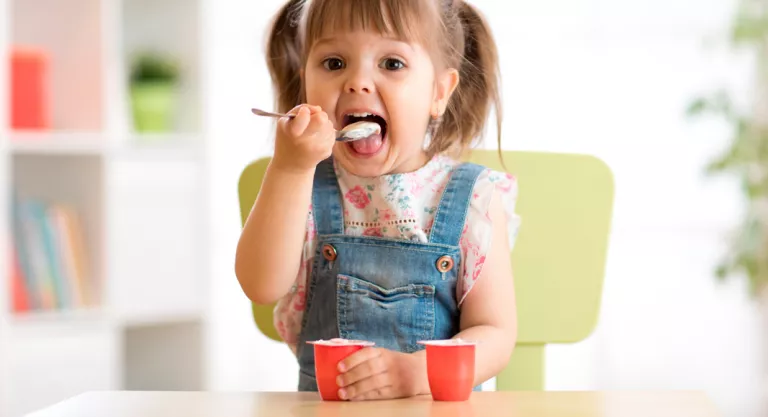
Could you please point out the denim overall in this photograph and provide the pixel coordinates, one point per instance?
(392, 292)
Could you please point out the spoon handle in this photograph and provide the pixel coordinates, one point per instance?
(341, 136)
(260, 112)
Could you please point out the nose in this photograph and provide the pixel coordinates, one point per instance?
(359, 81)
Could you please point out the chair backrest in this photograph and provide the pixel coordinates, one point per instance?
(565, 202)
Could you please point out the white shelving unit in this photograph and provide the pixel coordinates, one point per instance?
(141, 200)
(5, 373)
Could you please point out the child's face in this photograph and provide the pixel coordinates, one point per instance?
(364, 72)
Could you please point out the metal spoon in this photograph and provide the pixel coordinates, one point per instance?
(351, 132)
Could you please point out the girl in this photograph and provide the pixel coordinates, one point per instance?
(389, 239)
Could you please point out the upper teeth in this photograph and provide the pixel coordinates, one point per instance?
(361, 114)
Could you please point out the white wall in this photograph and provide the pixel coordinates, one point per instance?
(242, 358)
(606, 78)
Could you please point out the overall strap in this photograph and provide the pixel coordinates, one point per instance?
(454, 204)
(326, 200)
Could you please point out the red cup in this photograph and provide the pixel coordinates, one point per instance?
(328, 354)
(450, 369)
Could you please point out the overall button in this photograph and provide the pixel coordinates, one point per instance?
(444, 264)
(329, 252)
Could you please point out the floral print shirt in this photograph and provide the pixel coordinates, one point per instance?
(403, 206)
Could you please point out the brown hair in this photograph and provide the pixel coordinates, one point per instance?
(460, 38)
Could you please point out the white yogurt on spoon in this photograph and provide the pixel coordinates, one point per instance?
(358, 130)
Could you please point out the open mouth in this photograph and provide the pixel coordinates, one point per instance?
(372, 144)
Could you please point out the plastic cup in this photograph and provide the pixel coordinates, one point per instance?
(328, 354)
(450, 368)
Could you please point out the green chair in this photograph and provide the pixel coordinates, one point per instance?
(565, 202)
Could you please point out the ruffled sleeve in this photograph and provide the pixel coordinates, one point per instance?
(478, 229)
(289, 310)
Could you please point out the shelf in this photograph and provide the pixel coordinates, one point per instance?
(175, 349)
(164, 145)
(74, 186)
(171, 28)
(58, 143)
(88, 316)
(163, 319)
(170, 145)
(56, 317)
(140, 198)
(70, 36)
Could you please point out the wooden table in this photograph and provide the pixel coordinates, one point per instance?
(482, 404)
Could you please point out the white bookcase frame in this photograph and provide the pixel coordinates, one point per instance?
(142, 199)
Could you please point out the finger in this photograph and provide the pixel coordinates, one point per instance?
(317, 122)
(376, 394)
(362, 371)
(313, 109)
(361, 388)
(362, 355)
(299, 124)
(295, 110)
(310, 107)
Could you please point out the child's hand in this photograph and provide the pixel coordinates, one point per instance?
(304, 141)
(376, 374)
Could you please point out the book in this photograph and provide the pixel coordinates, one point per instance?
(19, 292)
(21, 248)
(50, 254)
(35, 246)
(69, 242)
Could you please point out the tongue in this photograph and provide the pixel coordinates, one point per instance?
(367, 146)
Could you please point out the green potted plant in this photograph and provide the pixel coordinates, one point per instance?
(746, 158)
(153, 84)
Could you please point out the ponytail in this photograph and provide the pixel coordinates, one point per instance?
(284, 56)
(479, 84)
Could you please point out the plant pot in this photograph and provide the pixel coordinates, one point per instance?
(154, 106)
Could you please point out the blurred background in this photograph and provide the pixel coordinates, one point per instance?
(124, 125)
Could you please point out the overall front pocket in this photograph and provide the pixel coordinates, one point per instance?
(395, 318)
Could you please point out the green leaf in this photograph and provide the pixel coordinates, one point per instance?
(749, 30)
(722, 272)
(154, 66)
(697, 107)
(718, 103)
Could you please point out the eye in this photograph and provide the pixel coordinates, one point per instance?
(392, 64)
(333, 64)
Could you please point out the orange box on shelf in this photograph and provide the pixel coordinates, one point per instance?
(29, 88)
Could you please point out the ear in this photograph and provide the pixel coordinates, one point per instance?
(445, 85)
